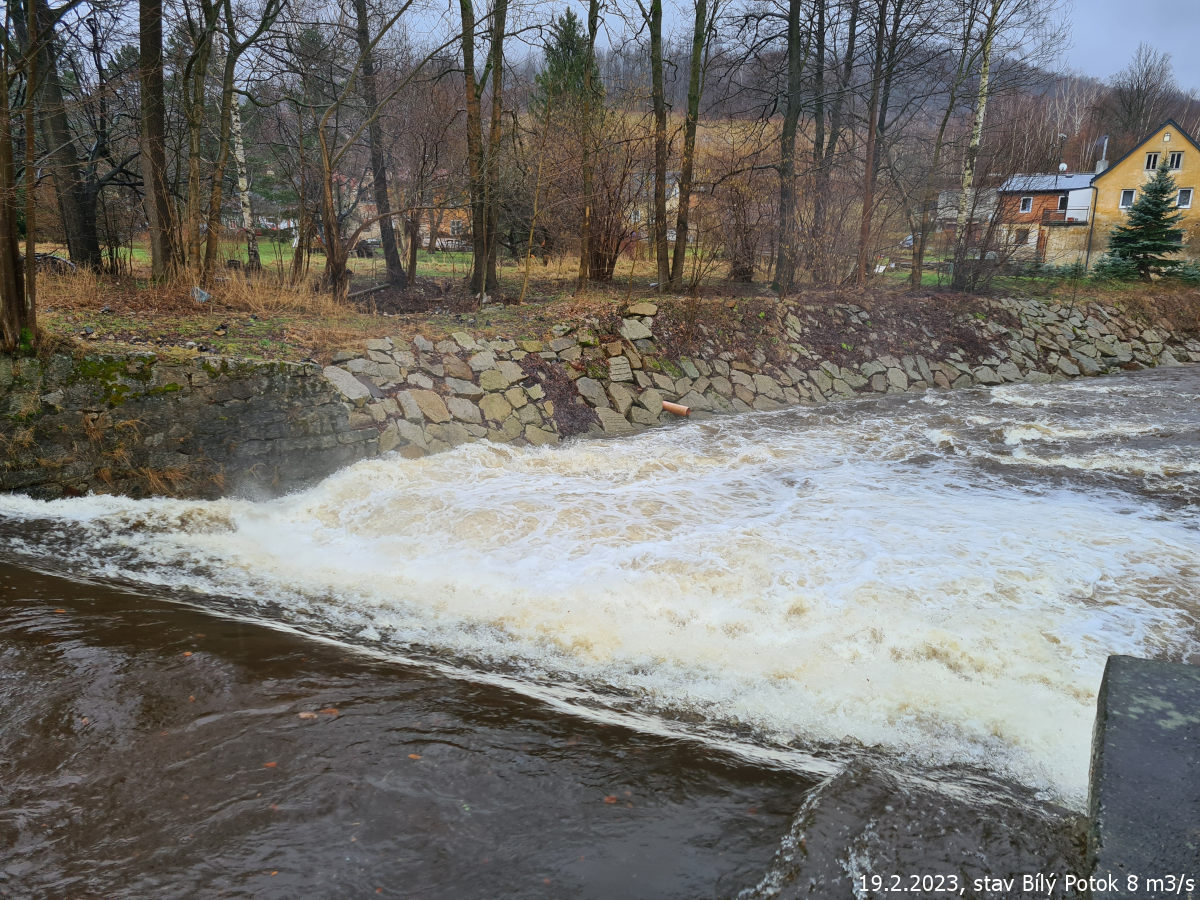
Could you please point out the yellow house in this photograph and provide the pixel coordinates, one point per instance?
(1118, 186)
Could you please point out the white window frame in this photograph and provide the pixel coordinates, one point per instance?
(1121, 204)
(1062, 203)
(1152, 160)
(1026, 204)
(1179, 204)
(1171, 160)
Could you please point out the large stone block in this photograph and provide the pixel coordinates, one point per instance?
(1144, 801)
(431, 405)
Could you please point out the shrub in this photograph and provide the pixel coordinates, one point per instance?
(1116, 268)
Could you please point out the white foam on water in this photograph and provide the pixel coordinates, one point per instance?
(809, 578)
(1044, 431)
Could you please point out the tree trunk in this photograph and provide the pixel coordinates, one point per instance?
(195, 77)
(76, 203)
(17, 320)
(962, 226)
(817, 226)
(492, 169)
(475, 162)
(659, 101)
(31, 80)
(864, 227)
(585, 226)
(785, 267)
(825, 150)
(929, 197)
(217, 187)
(435, 226)
(152, 139)
(383, 208)
(414, 241)
(929, 190)
(253, 261)
(337, 253)
(695, 86)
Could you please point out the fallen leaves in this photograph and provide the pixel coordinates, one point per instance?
(414, 756)
(270, 765)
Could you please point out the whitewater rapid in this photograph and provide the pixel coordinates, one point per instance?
(939, 576)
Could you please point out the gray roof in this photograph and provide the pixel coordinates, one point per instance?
(1032, 184)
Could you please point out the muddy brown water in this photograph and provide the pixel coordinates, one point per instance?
(870, 653)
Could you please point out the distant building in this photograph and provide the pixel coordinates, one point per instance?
(1032, 207)
(1066, 218)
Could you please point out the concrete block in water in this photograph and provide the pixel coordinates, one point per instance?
(1144, 800)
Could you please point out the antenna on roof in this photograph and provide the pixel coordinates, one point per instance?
(1062, 168)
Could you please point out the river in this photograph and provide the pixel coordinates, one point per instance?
(757, 655)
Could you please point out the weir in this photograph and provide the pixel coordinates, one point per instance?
(1144, 800)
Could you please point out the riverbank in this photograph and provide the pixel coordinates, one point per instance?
(179, 423)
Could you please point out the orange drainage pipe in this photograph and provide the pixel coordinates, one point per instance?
(677, 408)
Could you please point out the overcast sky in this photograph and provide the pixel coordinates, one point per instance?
(1104, 34)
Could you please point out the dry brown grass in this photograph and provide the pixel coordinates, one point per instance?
(1168, 303)
(267, 295)
(81, 289)
(262, 295)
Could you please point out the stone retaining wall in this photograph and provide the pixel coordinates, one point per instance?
(424, 398)
(142, 424)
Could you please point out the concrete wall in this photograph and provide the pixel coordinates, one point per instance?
(144, 424)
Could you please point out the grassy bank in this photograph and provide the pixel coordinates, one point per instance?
(264, 318)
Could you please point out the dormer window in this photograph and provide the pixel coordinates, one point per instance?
(1151, 162)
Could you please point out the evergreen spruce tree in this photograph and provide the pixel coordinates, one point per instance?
(1150, 234)
(561, 84)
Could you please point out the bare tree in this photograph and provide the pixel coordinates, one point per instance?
(18, 319)
(1142, 92)
(1024, 23)
(702, 33)
(797, 52)
(379, 174)
(483, 161)
(159, 214)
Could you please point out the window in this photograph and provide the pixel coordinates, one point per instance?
(1167, 137)
(456, 227)
(1127, 199)
(1151, 161)
(1062, 203)
(1184, 199)
(1022, 237)
(1026, 204)
(1176, 160)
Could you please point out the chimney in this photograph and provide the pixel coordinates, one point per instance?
(1102, 162)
